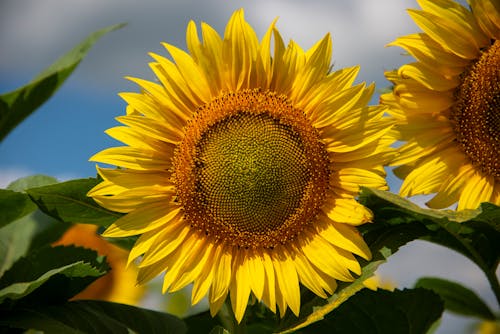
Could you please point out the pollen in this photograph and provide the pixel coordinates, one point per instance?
(476, 115)
(251, 170)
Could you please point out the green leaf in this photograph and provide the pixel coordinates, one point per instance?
(457, 298)
(91, 316)
(15, 106)
(15, 241)
(51, 274)
(32, 230)
(68, 202)
(14, 205)
(473, 233)
(383, 312)
(31, 181)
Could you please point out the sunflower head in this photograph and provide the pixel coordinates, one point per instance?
(447, 104)
(241, 167)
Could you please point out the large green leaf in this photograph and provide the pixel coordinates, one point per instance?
(91, 316)
(14, 205)
(383, 312)
(68, 202)
(474, 233)
(15, 241)
(457, 298)
(31, 181)
(49, 275)
(15, 106)
(31, 229)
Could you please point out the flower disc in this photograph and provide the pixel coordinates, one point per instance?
(476, 114)
(251, 170)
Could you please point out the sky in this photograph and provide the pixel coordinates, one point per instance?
(60, 137)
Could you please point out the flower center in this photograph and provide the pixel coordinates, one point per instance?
(251, 170)
(476, 115)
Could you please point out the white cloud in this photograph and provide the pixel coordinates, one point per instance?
(7, 175)
(10, 174)
(34, 33)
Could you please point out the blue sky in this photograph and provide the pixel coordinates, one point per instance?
(60, 137)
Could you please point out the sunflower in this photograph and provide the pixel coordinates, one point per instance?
(118, 285)
(447, 104)
(241, 168)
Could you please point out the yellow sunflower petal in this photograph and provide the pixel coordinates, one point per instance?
(257, 272)
(240, 287)
(346, 237)
(171, 238)
(222, 274)
(345, 210)
(428, 78)
(429, 52)
(449, 192)
(308, 275)
(201, 286)
(318, 60)
(135, 158)
(457, 17)
(133, 178)
(194, 77)
(315, 251)
(488, 16)
(142, 244)
(478, 189)
(153, 129)
(445, 33)
(239, 51)
(142, 220)
(269, 294)
(288, 283)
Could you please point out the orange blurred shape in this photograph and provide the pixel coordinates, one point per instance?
(118, 285)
